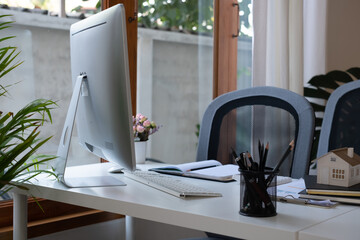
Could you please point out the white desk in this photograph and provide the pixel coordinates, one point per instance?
(217, 214)
(344, 227)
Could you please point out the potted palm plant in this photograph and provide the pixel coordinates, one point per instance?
(19, 132)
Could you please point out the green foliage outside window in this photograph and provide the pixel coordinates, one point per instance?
(195, 16)
(185, 15)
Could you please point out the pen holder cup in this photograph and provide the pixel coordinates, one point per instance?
(257, 193)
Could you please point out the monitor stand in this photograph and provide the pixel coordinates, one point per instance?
(64, 146)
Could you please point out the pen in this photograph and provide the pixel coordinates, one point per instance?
(199, 168)
(321, 203)
(293, 200)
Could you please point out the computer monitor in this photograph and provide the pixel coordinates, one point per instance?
(101, 97)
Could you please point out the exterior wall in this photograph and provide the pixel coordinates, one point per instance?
(45, 73)
(175, 87)
(325, 166)
(356, 178)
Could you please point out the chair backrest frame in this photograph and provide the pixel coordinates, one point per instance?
(295, 104)
(330, 109)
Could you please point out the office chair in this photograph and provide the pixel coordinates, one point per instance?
(244, 112)
(287, 109)
(341, 122)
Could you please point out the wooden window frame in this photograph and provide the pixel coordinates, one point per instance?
(225, 46)
(225, 68)
(59, 216)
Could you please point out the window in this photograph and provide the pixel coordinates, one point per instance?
(175, 68)
(338, 174)
(73, 8)
(174, 77)
(244, 50)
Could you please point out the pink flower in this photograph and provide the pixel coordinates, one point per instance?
(143, 119)
(140, 129)
(143, 127)
(147, 124)
(138, 116)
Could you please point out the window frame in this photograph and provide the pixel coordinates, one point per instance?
(225, 67)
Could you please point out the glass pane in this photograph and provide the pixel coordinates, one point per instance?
(244, 59)
(78, 7)
(244, 118)
(73, 8)
(175, 48)
(268, 125)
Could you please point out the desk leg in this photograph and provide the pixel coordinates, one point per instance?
(20, 217)
(129, 228)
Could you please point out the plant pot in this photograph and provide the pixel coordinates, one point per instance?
(140, 152)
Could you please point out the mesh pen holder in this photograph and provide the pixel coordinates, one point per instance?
(257, 193)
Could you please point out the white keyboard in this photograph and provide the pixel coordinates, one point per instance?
(170, 184)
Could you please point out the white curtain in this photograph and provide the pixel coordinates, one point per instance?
(289, 42)
(288, 49)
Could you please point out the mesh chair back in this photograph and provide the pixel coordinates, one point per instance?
(341, 122)
(253, 124)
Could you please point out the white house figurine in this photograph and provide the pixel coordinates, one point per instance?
(339, 167)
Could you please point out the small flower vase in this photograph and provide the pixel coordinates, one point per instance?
(140, 151)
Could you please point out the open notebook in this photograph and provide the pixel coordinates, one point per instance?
(208, 169)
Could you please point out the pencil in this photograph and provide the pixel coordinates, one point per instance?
(250, 157)
(240, 163)
(263, 159)
(243, 159)
(260, 148)
(288, 150)
(233, 153)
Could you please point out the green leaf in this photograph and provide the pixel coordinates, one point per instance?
(6, 38)
(317, 107)
(339, 76)
(316, 93)
(355, 72)
(19, 133)
(323, 81)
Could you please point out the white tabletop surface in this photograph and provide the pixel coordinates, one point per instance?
(215, 214)
(344, 227)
